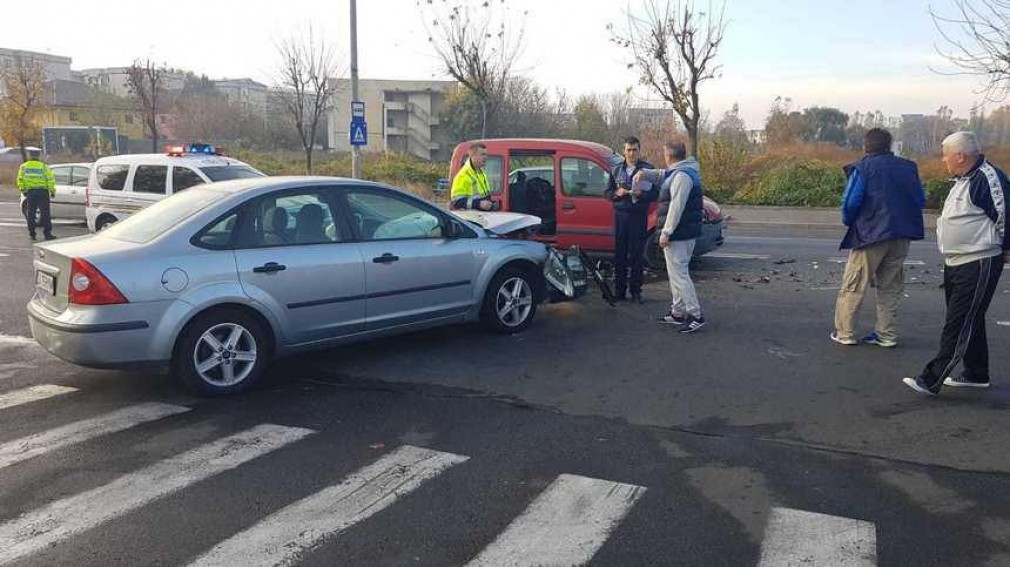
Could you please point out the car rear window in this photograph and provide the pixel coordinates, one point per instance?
(229, 172)
(157, 219)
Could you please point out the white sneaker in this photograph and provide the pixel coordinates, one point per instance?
(841, 341)
(960, 382)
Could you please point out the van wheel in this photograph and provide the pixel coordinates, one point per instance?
(102, 222)
(221, 352)
(509, 302)
(654, 258)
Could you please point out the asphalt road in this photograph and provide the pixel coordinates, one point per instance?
(597, 435)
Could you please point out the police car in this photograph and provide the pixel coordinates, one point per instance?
(122, 185)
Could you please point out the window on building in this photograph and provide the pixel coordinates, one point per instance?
(74, 117)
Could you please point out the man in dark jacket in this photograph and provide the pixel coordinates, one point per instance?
(975, 243)
(882, 206)
(631, 211)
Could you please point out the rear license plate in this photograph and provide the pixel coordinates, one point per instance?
(45, 282)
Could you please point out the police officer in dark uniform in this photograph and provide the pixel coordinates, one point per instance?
(631, 210)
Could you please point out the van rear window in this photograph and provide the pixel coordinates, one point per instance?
(112, 177)
(229, 172)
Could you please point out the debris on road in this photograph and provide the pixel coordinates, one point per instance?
(781, 261)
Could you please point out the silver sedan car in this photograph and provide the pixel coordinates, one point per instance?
(218, 279)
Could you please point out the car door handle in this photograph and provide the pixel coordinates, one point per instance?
(568, 205)
(386, 258)
(269, 267)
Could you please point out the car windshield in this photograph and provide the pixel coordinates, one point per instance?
(157, 219)
(229, 172)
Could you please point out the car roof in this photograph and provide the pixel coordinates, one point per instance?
(246, 188)
(500, 144)
(165, 159)
(76, 164)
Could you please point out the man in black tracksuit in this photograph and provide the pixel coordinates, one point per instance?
(631, 211)
(974, 239)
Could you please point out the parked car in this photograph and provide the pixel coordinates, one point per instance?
(71, 184)
(575, 210)
(12, 154)
(122, 185)
(216, 280)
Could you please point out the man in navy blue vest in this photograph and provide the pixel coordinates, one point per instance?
(882, 208)
(631, 211)
(678, 219)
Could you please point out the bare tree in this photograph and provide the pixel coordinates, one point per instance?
(23, 81)
(306, 89)
(146, 82)
(475, 45)
(674, 47)
(978, 43)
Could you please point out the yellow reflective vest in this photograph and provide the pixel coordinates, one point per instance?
(471, 185)
(34, 174)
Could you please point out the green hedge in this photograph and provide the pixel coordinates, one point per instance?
(810, 183)
(389, 168)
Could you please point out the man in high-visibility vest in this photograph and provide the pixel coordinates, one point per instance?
(37, 183)
(470, 188)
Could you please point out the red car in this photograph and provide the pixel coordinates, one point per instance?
(563, 182)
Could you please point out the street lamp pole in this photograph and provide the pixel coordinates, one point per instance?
(355, 152)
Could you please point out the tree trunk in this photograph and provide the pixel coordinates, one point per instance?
(483, 122)
(692, 133)
(308, 160)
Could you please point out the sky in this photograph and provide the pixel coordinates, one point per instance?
(856, 55)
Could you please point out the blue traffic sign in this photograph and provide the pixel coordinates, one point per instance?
(358, 133)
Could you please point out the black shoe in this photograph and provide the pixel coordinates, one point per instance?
(32, 236)
(50, 236)
(919, 386)
(637, 298)
(692, 324)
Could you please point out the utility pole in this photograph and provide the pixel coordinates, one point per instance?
(355, 151)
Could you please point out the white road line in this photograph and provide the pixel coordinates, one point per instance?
(565, 525)
(735, 256)
(796, 537)
(32, 446)
(32, 394)
(839, 260)
(43, 527)
(282, 537)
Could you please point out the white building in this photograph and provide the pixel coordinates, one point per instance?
(402, 116)
(115, 80)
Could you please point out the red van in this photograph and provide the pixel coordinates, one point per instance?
(563, 182)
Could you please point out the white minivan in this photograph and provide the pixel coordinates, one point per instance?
(122, 185)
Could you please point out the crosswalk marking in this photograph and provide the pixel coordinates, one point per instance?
(282, 537)
(565, 525)
(796, 537)
(32, 394)
(64, 518)
(26, 448)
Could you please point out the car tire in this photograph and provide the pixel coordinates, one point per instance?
(221, 352)
(102, 222)
(509, 302)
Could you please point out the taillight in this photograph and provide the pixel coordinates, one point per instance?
(88, 286)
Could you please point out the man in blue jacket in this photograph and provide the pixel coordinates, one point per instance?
(882, 208)
(631, 211)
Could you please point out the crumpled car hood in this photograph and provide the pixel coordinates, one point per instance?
(500, 223)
